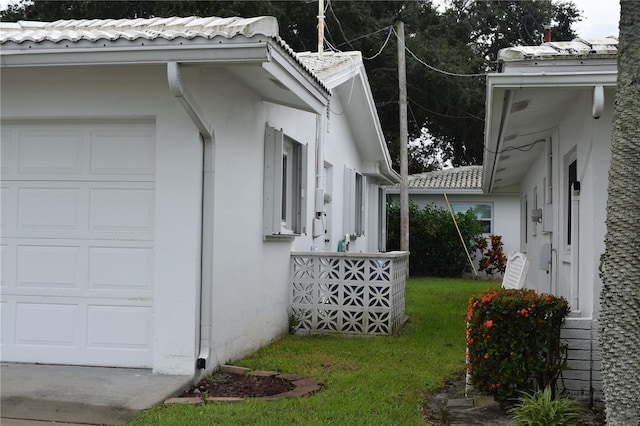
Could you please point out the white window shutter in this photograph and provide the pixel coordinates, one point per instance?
(349, 210)
(304, 190)
(273, 145)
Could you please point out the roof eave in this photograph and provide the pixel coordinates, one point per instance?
(500, 87)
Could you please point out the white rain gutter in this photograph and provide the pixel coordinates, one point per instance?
(206, 278)
(506, 112)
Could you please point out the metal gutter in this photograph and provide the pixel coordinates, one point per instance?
(487, 184)
(194, 111)
(232, 53)
(550, 79)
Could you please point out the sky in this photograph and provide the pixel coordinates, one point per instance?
(600, 17)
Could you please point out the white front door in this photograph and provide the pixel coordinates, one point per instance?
(77, 242)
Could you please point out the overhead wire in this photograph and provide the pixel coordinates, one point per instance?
(461, 117)
(330, 7)
(383, 46)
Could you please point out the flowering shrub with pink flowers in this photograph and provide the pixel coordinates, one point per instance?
(513, 341)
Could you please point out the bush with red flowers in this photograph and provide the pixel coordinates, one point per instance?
(513, 341)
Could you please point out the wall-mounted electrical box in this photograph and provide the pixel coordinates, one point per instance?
(545, 257)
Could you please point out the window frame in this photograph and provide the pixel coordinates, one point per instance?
(471, 205)
(285, 186)
(354, 202)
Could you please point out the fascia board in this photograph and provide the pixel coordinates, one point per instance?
(286, 74)
(547, 79)
(200, 54)
(362, 94)
(342, 77)
(383, 174)
(492, 121)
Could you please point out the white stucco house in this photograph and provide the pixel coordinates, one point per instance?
(499, 213)
(157, 175)
(548, 136)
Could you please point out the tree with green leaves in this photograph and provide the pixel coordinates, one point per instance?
(620, 296)
(448, 53)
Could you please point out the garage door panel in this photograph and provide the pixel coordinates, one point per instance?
(121, 210)
(98, 210)
(6, 141)
(120, 268)
(117, 152)
(6, 313)
(57, 267)
(47, 324)
(8, 208)
(49, 208)
(119, 327)
(6, 260)
(78, 212)
(50, 151)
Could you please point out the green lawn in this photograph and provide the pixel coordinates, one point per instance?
(368, 381)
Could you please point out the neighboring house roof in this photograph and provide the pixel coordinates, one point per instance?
(457, 179)
(212, 40)
(530, 96)
(591, 48)
(328, 64)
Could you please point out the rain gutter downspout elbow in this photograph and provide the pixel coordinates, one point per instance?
(194, 111)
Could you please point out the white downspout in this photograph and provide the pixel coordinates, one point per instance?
(318, 228)
(206, 279)
(575, 248)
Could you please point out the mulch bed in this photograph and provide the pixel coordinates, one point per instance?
(222, 384)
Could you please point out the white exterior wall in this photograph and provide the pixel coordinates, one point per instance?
(250, 295)
(98, 93)
(591, 140)
(340, 151)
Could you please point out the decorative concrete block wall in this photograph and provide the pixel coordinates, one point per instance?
(582, 380)
(349, 293)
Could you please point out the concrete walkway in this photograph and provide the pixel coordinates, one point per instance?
(31, 393)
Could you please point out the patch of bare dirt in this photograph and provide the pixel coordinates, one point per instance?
(223, 384)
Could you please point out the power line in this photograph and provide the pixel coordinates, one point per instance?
(330, 7)
(383, 46)
(452, 74)
(432, 68)
(460, 117)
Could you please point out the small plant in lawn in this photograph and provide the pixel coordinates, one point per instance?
(294, 321)
(513, 338)
(541, 409)
(493, 260)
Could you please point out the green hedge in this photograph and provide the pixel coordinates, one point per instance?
(434, 245)
(513, 338)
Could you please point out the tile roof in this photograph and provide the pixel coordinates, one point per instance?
(466, 177)
(329, 63)
(96, 33)
(577, 48)
(136, 29)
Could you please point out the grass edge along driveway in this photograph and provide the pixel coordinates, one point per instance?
(369, 381)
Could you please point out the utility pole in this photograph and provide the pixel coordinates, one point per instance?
(404, 168)
(320, 27)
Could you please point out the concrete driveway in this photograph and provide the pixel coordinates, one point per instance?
(31, 393)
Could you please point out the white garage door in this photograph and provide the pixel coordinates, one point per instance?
(77, 242)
